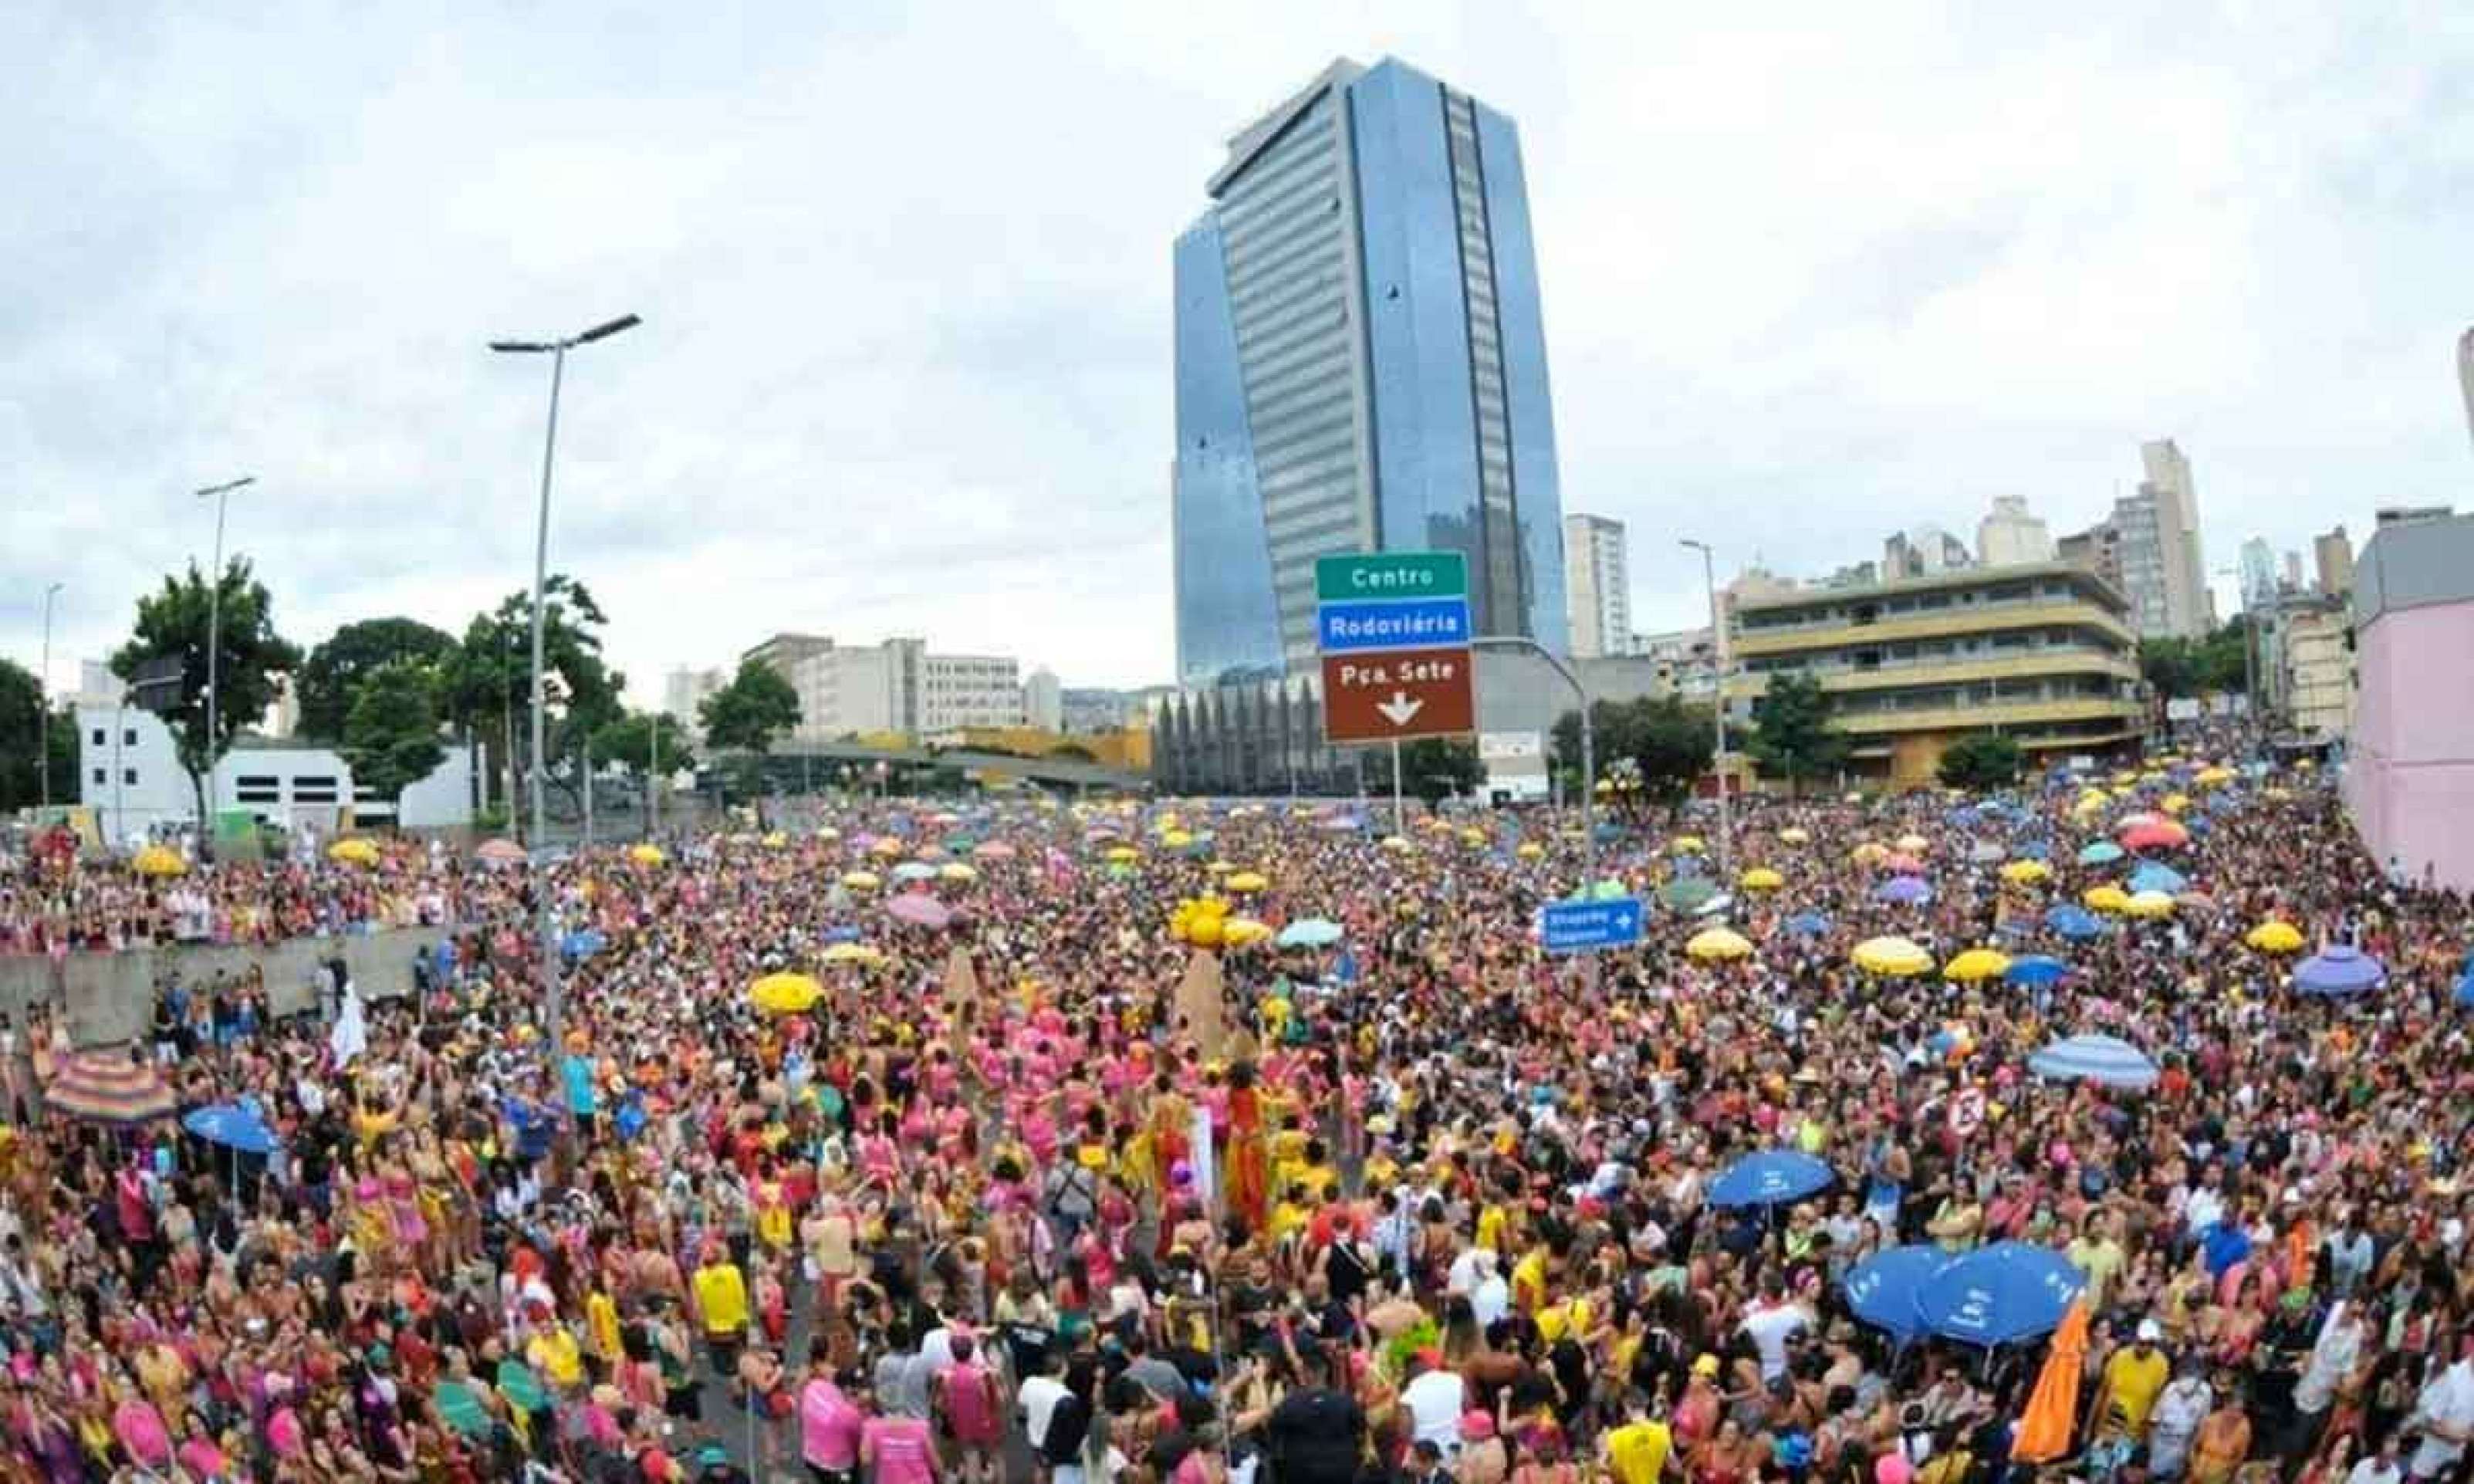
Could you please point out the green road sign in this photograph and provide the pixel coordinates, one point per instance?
(1378, 575)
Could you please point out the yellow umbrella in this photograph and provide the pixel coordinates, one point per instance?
(1913, 845)
(646, 855)
(1530, 850)
(2275, 936)
(2107, 898)
(956, 870)
(862, 881)
(1686, 845)
(1219, 868)
(354, 852)
(1974, 965)
(1123, 855)
(2022, 873)
(1713, 945)
(854, 952)
(1893, 956)
(1243, 932)
(2149, 904)
(1248, 881)
(2214, 776)
(1398, 842)
(1472, 837)
(776, 840)
(888, 848)
(158, 861)
(1795, 834)
(1177, 839)
(829, 832)
(2176, 803)
(785, 994)
(1870, 853)
(1760, 878)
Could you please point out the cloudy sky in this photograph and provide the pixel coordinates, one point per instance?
(904, 276)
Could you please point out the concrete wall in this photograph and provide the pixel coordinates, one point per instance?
(2410, 769)
(111, 996)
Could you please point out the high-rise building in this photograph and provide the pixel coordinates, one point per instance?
(2096, 549)
(2258, 575)
(2009, 536)
(1361, 365)
(2465, 375)
(2333, 553)
(2402, 514)
(1921, 549)
(2293, 569)
(2180, 564)
(682, 695)
(1043, 701)
(1597, 584)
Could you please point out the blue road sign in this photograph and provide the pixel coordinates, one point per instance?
(1415, 623)
(1585, 927)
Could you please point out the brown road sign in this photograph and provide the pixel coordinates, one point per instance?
(1395, 694)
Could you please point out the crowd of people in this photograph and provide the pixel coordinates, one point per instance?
(1001, 1197)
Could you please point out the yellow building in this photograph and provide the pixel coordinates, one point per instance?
(1128, 748)
(2040, 652)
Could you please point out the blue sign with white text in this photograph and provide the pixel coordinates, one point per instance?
(1415, 623)
(1584, 927)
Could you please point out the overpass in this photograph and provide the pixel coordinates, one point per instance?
(822, 762)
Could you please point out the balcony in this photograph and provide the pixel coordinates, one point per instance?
(1839, 633)
(1902, 675)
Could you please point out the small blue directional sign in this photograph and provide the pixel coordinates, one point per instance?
(1585, 927)
(1419, 623)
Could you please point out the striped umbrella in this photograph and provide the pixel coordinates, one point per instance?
(108, 1086)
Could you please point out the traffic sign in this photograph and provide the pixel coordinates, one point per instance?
(1390, 574)
(1585, 927)
(1419, 623)
(1396, 694)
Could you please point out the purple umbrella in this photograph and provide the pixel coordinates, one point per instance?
(2340, 969)
(1906, 889)
(920, 910)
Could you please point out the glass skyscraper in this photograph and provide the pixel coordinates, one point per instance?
(1361, 365)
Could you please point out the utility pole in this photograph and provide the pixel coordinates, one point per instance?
(221, 494)
(1719, 707)
(653, 782)
(43, 705)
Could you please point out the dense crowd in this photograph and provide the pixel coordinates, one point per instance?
(1419, 1204)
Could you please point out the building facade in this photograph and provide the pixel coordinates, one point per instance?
(129, 777)
(1043, 701)
(957, 691)
(2258, 569)
(2332, 555)
(2409, 778)
(2043, 653)
(1597, 585)
(2180, 562)
(2011, 536)
(1923, 549)
(683, 697)
(2403, 515)
(1361, 365)
(2315, 668)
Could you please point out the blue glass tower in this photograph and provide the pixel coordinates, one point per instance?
(1361, 365)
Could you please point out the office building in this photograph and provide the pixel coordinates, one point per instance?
(2332, 552)
(2405, 515)
(2258, 573)
(898, 686)
(2011, 536)
(2409, 778)
(958, 690)
(1043, 701)
(682, 695)
(1683, 659)
(2294, 570)
(2181, 562)
(2042, 654)
(1926, 549)
(129, 777)
(2096, 549)
(2314, 669)
(1361, 365)
(1597, 584)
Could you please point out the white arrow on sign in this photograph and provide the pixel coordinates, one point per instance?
(1401, 707)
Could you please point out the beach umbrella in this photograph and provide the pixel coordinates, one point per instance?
(1901, 863)
(2034, 970)
(234, 1126)
(355, 851)
(2000, 1294)
(1716, 906)
(1398, 845)
(915, 870)
(785, 994)
(2176, 803)
(646, 855)
(958, 872)
(1607, 891)
(1882, 1290)
(2103, 852)
(993, 851)
(1795, 834)
(2155, 835)
(919, 909)
(2213, 777)
(1773, 1176)
(1760, 878)
(1983, 852)
(853, 953)
(2157, 876)
(1310, 933)
(1914, 845)
(108, 1086)
(1894, 956)
(2026, 873)
(1976, 965)
(1909, 891)
(2148, 904)
(1529, 850)
(2106, 898)
(2073, 921)
(2275, 936)
(1687, 845)
(2108, 1061)
(2338, 969)
(1717, 946)
(862, 881)
(886, 847)
(1871, 852)
(582, 943)
(2052, 1408)
(1244, 931)
(500, 852)
(158, 861)
(1687, 894)
(1807, 924)
(1248, 881)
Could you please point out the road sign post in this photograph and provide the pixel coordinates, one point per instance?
(1588, 926)
(1394, 629)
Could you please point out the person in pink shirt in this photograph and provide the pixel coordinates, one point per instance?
(898, 1451)
(830, 1419)
(974, 1412)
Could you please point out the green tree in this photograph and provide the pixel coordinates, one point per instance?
(172, 624)
(1667, 744)
(1982, 761)
(391, 734)
(1432, 768)
(486, 680)
(2170, 666)
(1793, 734)
(2210, 665)
(757, 707)
(334, 669)
(628, 741)
(20, 785)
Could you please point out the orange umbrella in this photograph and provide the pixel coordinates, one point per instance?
(2044, 1431)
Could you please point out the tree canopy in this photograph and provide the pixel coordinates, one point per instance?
(2177, 667)
(172, 624)
(20, 785)
(1793, 736)
(391, 734)
(326, 684)
(628, 741)
(1432, 768)
(1667, 744)
(755, 708)
(1981, 761)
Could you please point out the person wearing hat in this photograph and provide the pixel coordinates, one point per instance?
(2134, 1376)
(1482, 1458)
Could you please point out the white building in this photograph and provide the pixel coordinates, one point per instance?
(843, 691)
(1597, 586)
(683, 697)
(967, 690)
(1043, 701)
(896, 686)
(129, 775)
(2009, 535)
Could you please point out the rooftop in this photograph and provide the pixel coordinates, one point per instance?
(1947, 581)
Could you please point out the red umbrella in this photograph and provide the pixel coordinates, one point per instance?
(108, 1086)
(2155, 835)
(920, 910)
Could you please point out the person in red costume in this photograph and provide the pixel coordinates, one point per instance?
(1248, 1172)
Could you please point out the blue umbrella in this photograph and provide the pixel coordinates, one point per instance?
(2157, 876)
(1999, 1294)
(2465, 990)
(1910, 890)
(2341, 968)
(2035, 850)
(2073, 921)
(1310, 933)
(842, 934)
(583, 944)
(2106, 1060)
(2103, 852)
(234, 1125)
(1807, 924)
(1883, 1288)
(1774, 1177)
(2035, 968)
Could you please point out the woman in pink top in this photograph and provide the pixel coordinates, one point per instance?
(830, 1422)
(898, 1451)
(974, 1412)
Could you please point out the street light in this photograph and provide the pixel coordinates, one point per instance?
(2250, 637)
(43, 704)
(221, 494)
(556, 351)
(1718, 665)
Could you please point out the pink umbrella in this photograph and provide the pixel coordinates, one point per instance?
(1903, 866)
(920, 910)
(2155, 835)
(500, 852)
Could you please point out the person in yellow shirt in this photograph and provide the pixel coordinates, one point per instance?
(553, 1353)
(1641, 1450)
(2133, 1379)
(1293, 1215)
(721, 1305)
(1529, 1279)
(1493, 1227)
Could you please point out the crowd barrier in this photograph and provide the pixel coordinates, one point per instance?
(111, 996)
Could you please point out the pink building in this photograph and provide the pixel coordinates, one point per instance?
(2410, 774)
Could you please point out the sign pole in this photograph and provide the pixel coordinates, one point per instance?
(1399, 825)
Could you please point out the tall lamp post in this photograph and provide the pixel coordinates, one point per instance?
(222, 496)
(43, 704)
(556, 349)
(2250, 669)
(1719, 707)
